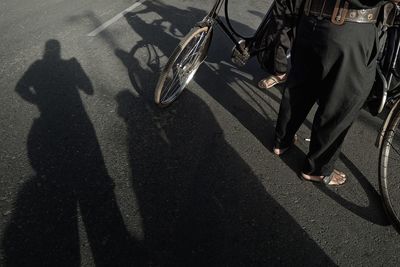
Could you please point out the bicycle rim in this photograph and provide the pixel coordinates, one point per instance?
(182, 66)
(389, 171)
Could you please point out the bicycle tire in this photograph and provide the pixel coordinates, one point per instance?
(389, 170)
(194, 46)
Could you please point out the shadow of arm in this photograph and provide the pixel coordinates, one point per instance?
(25, 86)
(82, 80)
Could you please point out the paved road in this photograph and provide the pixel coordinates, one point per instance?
(92, 173)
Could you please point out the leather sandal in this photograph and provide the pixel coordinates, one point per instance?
(271, 81)
(334, 179)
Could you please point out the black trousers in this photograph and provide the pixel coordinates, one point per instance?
(333, 66)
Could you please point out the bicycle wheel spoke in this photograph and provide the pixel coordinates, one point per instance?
(178, 75)
(170, 87)
(194, 53)
(394, 148)
(182, 65)
(183, 69)
(175, 78)
(197, 43)
(390, 170)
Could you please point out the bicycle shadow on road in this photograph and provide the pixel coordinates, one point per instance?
(71, 182)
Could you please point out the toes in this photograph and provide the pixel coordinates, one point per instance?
(340, 173)
(337, 179)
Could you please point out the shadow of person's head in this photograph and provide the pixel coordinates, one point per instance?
(52, 50)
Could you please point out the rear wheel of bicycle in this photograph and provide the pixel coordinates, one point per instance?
(389, 170)
(182, 65)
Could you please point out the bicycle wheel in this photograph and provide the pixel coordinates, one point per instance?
(389, 170)
(182, 65)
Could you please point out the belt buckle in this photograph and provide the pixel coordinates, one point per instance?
(339, 13)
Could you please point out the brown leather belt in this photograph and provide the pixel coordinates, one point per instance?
(338, 11)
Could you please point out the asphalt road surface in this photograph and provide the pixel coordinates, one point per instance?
(92, 173)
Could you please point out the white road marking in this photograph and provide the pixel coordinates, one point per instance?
(114, 19)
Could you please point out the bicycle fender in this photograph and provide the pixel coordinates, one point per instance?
(382, 131)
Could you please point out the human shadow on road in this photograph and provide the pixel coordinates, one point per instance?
(71, 182)
(165, 163)
(200, 202)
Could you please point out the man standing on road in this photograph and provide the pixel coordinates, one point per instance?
(333, 64)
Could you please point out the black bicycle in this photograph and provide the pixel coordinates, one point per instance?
(192, 51)
(388, 87)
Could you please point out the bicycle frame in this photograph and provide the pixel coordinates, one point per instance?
(394, 93)
(212, 18)
(390, 95)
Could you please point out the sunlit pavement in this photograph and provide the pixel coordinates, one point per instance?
(93, 173)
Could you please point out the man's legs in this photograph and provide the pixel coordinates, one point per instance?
(348, 76)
